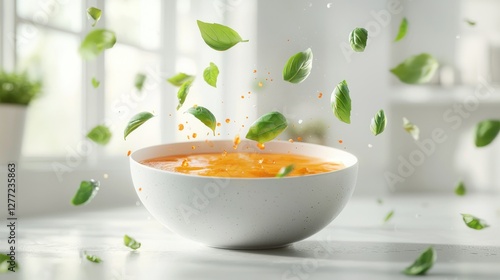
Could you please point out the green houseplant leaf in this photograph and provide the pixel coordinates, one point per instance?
(18, 88)
(486, 132)
(423, 263)
(218, 36)
(131, 242)
(298, 67)
(474, 222)
(87, 191)
(179, 79)
(204, 115)
(267, 127)
(210, 74)
(358, 38)
(341, 102)
(96, 42)
(416, 69)
(403, 28)
(136, 121)
(95, 14)
(378, 123)
(100, 134)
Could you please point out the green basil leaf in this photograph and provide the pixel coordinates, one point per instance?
(378, 123)
(136, 121)
(486, 132)
(204, 115)
(341, 102)
(470, 22)
(412, 129)
(96, 42)
(93, 258)
(267, 127)
(131, 243)
(358, 38)
(416, 69)
(219, 37)
(100, 134)
(388, 216)
(298, 67)
(474, 222)
(183, 92)
(210, 74)
(95, 82)
(460, 189)
(423, 263)
(180, 79)
(403, 28)
(95, 14)
(5, 265)
(87, 191)
(140, 78)
(285, 170)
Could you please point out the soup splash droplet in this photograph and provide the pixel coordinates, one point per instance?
(194, 135)
(185, 163)
(228, 120)
(181, 127)
(236, 141)
(261, 146)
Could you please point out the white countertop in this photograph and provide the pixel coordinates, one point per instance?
(357, 245)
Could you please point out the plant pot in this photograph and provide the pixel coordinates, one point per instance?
(12, 119)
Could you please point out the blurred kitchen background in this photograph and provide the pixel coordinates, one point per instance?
(161, 38)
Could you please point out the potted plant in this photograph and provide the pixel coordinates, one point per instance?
(16, 93)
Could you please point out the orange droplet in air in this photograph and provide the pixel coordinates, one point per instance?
(188, 137)
(228, 120)
(290, 140)
(260, 84)
(185, 163)
(194, 135)
(320, 95)
(193, 147)
(139, 189)
(129, 152)
(299, 138)
(181, 127)
(340, 141)
(261, 146)
(269, 73)
(218, 124)
(255, 70)
(242, 97)
(236, 141)
(249, 92)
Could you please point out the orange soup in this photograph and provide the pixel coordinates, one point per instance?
(242, 165)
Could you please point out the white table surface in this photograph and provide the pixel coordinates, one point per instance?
(357, 245)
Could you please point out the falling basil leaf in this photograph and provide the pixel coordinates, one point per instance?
(183, 92)
(358, 38)
(460, 189)
(378, 123)
(267, 127)
(95, 82)
(341, 102)
(100, 134)
(96, 42)
(140, 78)
(210, 74)
(412, 129)
(470, 22)
(93, 258)
(136, 121)
(416, 69)
(131, 243)
(380, 201)
(5, 264)
(388, 216)
(285, 170)
(298, 67)
(95, 14)
(474, 222)
(87, 191)
(204, 115)
(218, 37)
(179, 79)
(423, 263)
(403, 27)
(486, 132)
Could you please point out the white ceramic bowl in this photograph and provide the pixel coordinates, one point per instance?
(244, 213)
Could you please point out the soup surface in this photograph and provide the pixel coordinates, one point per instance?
(242, 165)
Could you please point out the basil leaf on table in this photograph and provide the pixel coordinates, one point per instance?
(474, 222)
(460, 189)
(218, 36)
(423, 263)
(179, 79)
(95, 14)
(298, 67)
(183, 92)
(87, 191)
(204, 115)
(139, 81)
(412, 129)
(131, 242)
(358, 38)
(100, 134)
(96, 42)
(136, 121)
(267, 127)
(416, 69)
(486, 132)
(378, 123)
(210, 74)
(341, 102)
(285, 170)
(403, 28)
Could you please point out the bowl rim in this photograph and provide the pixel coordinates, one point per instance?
(353, 159)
